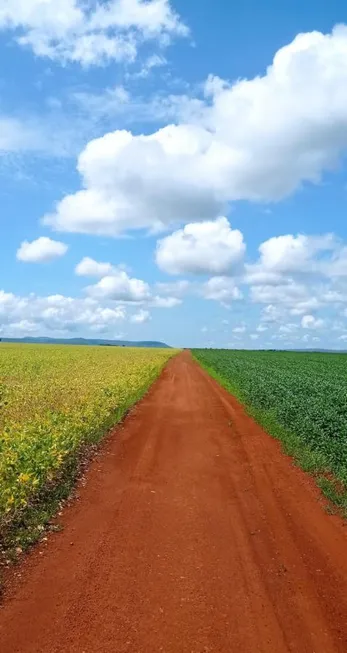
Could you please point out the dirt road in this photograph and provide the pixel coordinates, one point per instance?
(193, 534)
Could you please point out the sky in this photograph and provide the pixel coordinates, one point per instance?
(174, 170)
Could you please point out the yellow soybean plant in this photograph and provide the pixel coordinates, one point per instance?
(53, 400)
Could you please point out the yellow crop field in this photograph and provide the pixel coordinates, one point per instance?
(55, 399)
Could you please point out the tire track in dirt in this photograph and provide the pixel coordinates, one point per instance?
(194, 533)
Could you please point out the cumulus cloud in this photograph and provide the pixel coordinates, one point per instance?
(140, 317)
(55, 313)
(88, 267)
(272, 314)
(165, 302)
(289, 254)
(138, 182)
(120, 287)
(310, 304)
(221, 289)
(310, 322)
(262, 328)
(294, 297)
(288, 328)
(116, 285)
(42, 250)
(240, 329)
(290, 272)
(103, 307)
(302, 273)
(177, 288)
(89, 33)
(288, 294)
(210, 247)
(257, 139)
(337, 268)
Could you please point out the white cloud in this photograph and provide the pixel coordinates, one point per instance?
(256, 275)
(254, 336)
(310, 304)
(112, 101)
(291, 295)
(257, 139)
(17, 135)
(296, 276)
(210, 247)
(176, 288)
(337, 325)
(88, 267)
(283, 255)
(288, 328)
(130, 108)
(301, 273)
(338, 266)
(49, 132)
(99, 311)
(272, 314)
(41, 250)
(310, 322)
(140, 317)
(221, 289)
(90, 34)
(120, 287)
(116, 285)
(288, 294)
(55, 314)
(134, 182)
(165, 302)
(240, 329)
(262, 328)
(23, 327)
(152, 62)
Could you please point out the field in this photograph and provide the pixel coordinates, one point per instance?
(53, 401)
(192, 530)
(300, 398)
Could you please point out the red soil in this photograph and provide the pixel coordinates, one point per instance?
(193, 534)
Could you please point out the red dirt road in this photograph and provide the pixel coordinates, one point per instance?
(193, 534)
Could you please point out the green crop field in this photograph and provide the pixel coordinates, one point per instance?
(53, 401)
(299, 397)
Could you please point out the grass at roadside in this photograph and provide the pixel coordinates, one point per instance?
(300, 399)
(56, 403)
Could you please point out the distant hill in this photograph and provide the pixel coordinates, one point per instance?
(86, 341)
(319, 351)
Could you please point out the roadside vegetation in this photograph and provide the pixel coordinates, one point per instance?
(55, 402)
(299, 398)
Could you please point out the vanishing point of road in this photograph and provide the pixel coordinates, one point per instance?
(192, 533)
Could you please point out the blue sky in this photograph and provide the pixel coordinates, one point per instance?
(174, 170)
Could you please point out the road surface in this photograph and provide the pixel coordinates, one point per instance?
(192, 534)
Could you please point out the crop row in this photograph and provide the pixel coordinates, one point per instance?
(303, 393)
(54, 400)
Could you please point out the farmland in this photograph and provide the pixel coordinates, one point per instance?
(191, 532)
(53, 401)
(299, 397)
